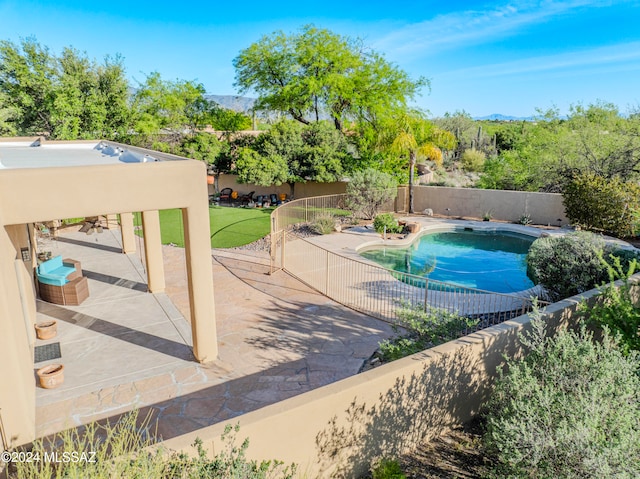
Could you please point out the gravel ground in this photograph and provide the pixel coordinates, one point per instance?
(263, 244)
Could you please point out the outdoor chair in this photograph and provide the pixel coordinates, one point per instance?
(61, 281)
(225, 194)
(246, 199)
(274, 199)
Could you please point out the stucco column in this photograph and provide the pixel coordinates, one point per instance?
(17, 393)
(153, 251)
(128, 235)
(200, 277)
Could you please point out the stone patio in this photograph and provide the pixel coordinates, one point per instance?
(125, 348)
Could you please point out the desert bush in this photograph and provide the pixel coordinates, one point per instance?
(388, 221)
(616, 310)
(368, 190)
(603, 204)
(473, 160)
(323, 225)
(567, 265)
(123, 450)
(569, 409)
(574, 263)
(425, 329)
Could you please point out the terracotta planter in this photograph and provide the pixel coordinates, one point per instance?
(51, 376)
(47, 329)
(210, 180)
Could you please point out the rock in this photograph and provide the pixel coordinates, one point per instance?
(413, 227)
(428, 212)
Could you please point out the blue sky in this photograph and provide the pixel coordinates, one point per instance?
(509, 57)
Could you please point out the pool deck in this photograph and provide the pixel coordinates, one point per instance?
(125, 348)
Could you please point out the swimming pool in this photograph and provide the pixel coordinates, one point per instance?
(488, 260)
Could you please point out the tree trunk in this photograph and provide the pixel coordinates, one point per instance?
(412, 167)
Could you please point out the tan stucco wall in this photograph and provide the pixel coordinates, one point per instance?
(302, 190)
(337, 430)
(544, 208)
(17, 392)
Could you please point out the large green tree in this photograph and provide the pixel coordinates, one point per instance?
(315, 74)
(65, 97)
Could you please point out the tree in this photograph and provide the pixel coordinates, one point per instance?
(27, 76)
(171, 106)
(223, 119)
(411, 134)
(66, 97)
(546, 154)
(317, 73)
(290, 152)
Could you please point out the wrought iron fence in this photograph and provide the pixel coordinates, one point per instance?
(369, 288)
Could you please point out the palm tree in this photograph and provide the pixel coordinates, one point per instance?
(415, 136)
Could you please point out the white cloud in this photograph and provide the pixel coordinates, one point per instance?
(458, 28)
(608, 58)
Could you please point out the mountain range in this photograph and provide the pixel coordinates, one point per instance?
(245, 104)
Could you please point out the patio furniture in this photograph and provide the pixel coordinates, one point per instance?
(262, 201)
(246, 199)
(225, 194)
(274, 199)
(61, 281)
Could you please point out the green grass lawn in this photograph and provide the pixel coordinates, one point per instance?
(230, 227)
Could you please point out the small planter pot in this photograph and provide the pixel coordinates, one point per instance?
(51, 376)
(47, 329)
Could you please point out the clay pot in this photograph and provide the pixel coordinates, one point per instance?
(51, 376)
(47, 329)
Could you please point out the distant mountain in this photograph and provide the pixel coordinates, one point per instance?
(242, 104)
(500, 117)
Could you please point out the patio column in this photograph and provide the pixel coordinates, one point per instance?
(128, 236)
(153, 251)
(17, 392)
(200, 276)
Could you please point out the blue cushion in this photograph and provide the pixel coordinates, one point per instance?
(50, 265)
(53, 280)
(54, 272)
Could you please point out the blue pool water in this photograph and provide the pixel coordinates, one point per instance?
(492, 261)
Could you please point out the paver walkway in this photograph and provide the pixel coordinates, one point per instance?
(277, 337)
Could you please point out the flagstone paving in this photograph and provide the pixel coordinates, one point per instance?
(124, 348)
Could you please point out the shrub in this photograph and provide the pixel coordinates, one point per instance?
(123, 450)
(603, 204)
(616, 311)
(473, 160)
(573, 263)
(324, 225)
(567, 265)
(387, 469)
(426, 329)
(368, 190)
(525, 219)
(388, 221)
(569, 409)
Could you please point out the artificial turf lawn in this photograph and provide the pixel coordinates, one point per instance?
(230, 227)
